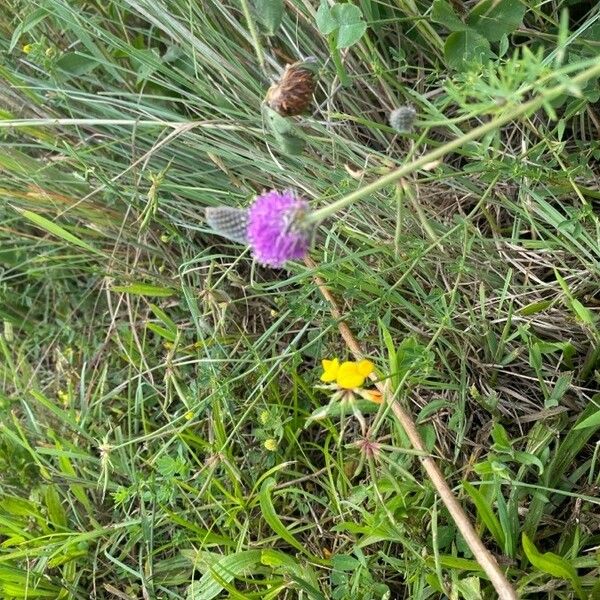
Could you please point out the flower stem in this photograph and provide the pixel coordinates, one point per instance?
(336, 56)
(411, 167)
(482, 555)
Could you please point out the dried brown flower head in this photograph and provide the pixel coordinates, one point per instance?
(293, 94)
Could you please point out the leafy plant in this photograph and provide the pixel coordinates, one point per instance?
(487, 22)
(343, 26)
(554, 565)
(270, 13)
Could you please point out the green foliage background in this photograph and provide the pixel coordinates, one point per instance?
(145, 362)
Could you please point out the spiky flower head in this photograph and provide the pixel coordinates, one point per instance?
(231, 223)
(402, 118)
(277, 228)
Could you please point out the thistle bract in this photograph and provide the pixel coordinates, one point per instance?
(231, 223)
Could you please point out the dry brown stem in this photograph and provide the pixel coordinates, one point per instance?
(483, 556)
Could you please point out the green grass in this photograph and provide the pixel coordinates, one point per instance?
(144, 361)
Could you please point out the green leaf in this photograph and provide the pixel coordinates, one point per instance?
(162, 315)
(348, 35)
(270, 13)
(413, 360)
(563, 383)
(526, 458)
(303, 575)
(56, 512)
(443, 13)
(470, 588)
(496, 18)
(500, 437)
(484, 510)
(583, 313)
(143, 289)
(591, 421)
(271, 517)
(29, 22)
(224, 570)
(290, 144)
(326, 22)
(76, 64)
(534, 307)
(552, 564)
(277, 123)
(145, 62)
(463, 48)
(572, 444)
(57, 230)
(343, 20)
(351, 24)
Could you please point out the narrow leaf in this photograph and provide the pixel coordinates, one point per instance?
(591, 421)
(484, 510)
(271, 517)
(552, 564)
(224, 570)
(54, 229)
(143, 289)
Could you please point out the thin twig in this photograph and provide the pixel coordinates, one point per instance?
(483, 556)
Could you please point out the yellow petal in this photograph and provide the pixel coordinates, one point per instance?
(365, 367)
(330, 370)
(348, 376)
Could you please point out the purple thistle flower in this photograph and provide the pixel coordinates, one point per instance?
(277, 230)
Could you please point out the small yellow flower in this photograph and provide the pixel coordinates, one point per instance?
(349, 375)
(270, 444)
(365, 367)
(330, 370)
(28, 48)
(352, 374)
(189, 415)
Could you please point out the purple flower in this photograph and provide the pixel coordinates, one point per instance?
(277, 229)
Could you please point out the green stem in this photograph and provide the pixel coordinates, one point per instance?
(336, 55)
(253, 34)
(434, 155)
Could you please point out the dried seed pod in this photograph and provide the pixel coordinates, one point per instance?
(230, 223)
(403, 118)
(293, 94)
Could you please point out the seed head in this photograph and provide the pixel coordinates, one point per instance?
(293, 93)
(402, 119)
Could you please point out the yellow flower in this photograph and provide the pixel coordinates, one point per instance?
(330, 370)
(270, 444)
(349, 375)
(353, 374)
